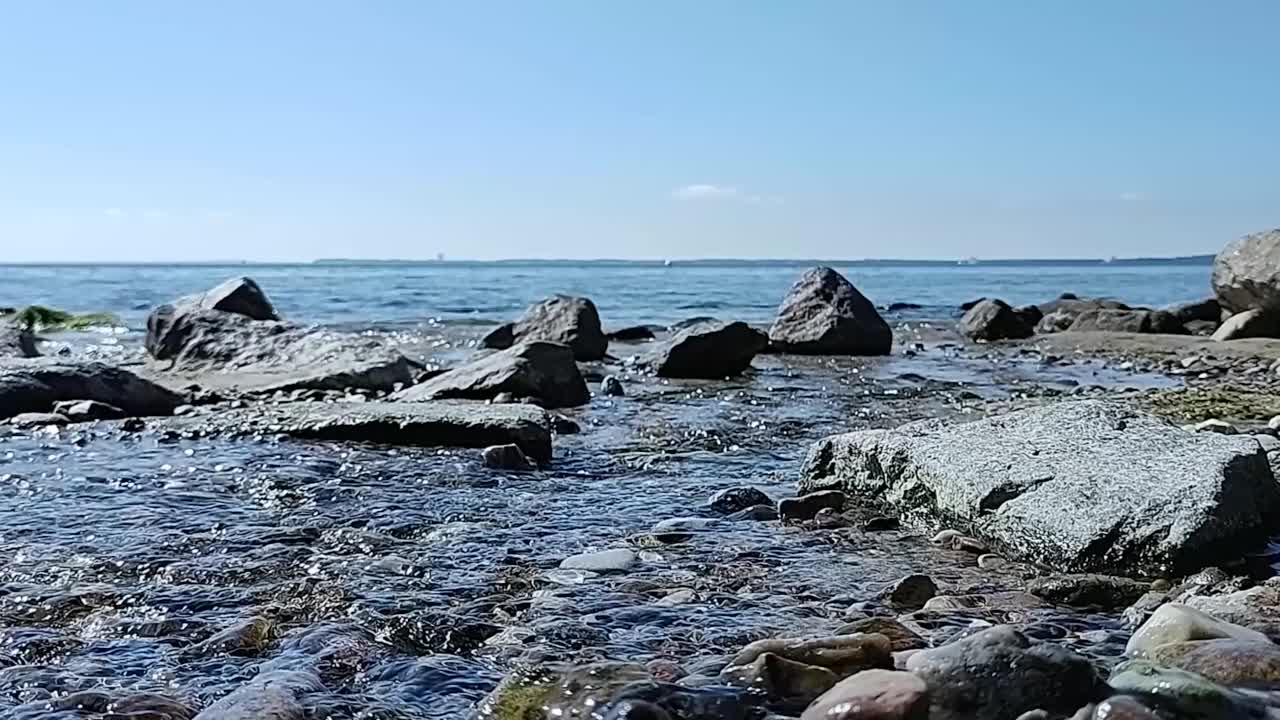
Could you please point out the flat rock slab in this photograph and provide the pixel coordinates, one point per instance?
(434, 424)
(1087, 486)
(33, 385)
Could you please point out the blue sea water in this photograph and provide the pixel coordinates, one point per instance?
(391, 294)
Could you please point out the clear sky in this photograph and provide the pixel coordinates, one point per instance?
(272, 130)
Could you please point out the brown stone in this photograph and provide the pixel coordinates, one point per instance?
(873, 695)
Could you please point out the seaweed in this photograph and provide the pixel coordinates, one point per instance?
(41, 318)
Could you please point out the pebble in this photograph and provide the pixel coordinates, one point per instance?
(873, 695)
(912, 592)
(758, 513)
(507, 457)
(991, 561)
(735, 499)
(612, 387)
(682, 596)
(686, 524)
(616, 560)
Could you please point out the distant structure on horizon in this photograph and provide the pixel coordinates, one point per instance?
(439, 257)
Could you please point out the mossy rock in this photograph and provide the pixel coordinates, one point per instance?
(522, 695)
(40, 318)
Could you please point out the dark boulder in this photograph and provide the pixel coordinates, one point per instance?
(34, 385)
(708, 350)
(824, 314)
(995, 320)
(1206, 310)
(1130, 321)
(1255, 323)
(238, 296)
(541, 371)
(637, 333)
(1246, 274)
(17, 342)
(562, 319)
(967, 306)
(506, 457)
(900, 306)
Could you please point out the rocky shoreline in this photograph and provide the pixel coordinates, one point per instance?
(1065, 515)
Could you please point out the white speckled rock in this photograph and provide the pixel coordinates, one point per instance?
(603, 561)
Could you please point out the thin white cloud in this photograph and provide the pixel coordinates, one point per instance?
(1132, 196)
(113, 212)
(704, 191)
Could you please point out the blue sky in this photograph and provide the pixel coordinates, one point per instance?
(286, 130)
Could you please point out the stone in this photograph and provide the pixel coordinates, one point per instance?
(637, 333)
(616, 560)
(37, 419)
(1175, 622)
(1203, 310)
(34, 385)
(995, 320)
(225, 350)
(711, 350)
(1188, 695)
(757, 513)
(900, 636)
(1130, 321)
(734, 499)
(1059, 315)
(1214, 425)
(17, 342)
(786, 683)
(1146, 497)
(1246, 274)
(561, 319)
(545, 372)
(89, 410)
(237, 296)
(435, 424)
(1255, 606)
(1249, 324)
(507, 457)
(1010, 600)
(805, 507)
(612, 387)
(272, 695)
(1201, 328)
(1088, 590)
(1226, 661)
(843, 655)
(998, 674)
(912, 592)
(1120, 707)
(824, 314)
(873, 695)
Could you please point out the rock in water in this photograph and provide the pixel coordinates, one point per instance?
(995, 320)
(35, 384)
(1227, 661)
(998, 674)
(1249, 324)
(635, 333)
(1088, 590)
(88, 410)
(873, 695)
(563, 319)
(239, 296)
(709, 350)
(1246, 274)
(274, 695)
(734, 499)
(1130, 321)
(17, 342)
(1144, 495)
(824, 314)
(541, 371)
(506, 457)
(615, 560)
(612, 387)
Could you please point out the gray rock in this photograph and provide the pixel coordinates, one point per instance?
(710, 350)
(1203, 311)
(506, 457)
(1249, 324)
(757, 513)
(1146, 496)
(873, 695)
(1088, 590)
(1213, 425)
(34, 385)
(544, 372)
(1058, 315)
(732, 500)
(273, 695)
(612, 387)
(1175, 622)
(995, 320)
(37, 419)
(562, 319)
(238, 296)
(912, 592)
(824, 314)
(805, 507)
(1257, 607)
(1246, 274)
(1130, 321)
(636, 333)
(998, 674)
(1185, 694)
(435, 424)
(89, 410)
(603, 561)
(17, 342)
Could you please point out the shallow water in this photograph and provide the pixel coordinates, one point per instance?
(412, 580)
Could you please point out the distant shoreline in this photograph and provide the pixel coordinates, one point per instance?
(1183, 260)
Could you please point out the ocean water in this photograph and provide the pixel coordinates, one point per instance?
(626, 293)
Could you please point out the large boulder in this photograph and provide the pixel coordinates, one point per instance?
(239, 296)
(1246, 274)
(1130, 321)
(540, 371)
(824, 314)
(17, 342)
(35, 385)
(1086, 486)
(708, 350)
(1256, 323)
(995, 320)
(563, 319)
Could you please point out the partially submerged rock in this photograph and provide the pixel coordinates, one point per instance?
(995, 320)
(1088, 590)
(1246, 274)
(824, 314)
(1175, 623)
(709, 350)
(34, 385)
(506, 457)
(238, 296)
(873, 695)
(1184, 694)
(272, 695)
(17, 342)
(1225, 660)
(1146, 496)
(562, 319)
(541, 371)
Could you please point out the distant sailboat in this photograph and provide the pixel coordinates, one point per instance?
(666, 263)
(968, 261)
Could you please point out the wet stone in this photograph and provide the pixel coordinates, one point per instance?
(1225, 661)
(900, 636)
(757, 513)
(842, 654)
(873, 695)
(612, 387)
(1186, 694)
(507, 457)
(786, 683)
(38, 419)
(805, 507)
(1088, 590)
(616, 560)
(1174, 622)
(912, 592)
(732, 500)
